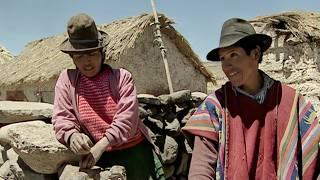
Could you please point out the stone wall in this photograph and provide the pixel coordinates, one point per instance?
(293, 61)
(165, 115)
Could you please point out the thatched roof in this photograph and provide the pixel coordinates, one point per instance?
(5, 55)
(41, 60)
(305, 26)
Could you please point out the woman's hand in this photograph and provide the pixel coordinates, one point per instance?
(89, 160)
(80, 143)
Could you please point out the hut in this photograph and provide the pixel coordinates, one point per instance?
(294, 56)
(33, 74)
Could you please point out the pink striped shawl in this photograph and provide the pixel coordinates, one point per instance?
(97, 108)
(298, 133)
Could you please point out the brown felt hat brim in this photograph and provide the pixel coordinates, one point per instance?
(67, 47)
(264, 41)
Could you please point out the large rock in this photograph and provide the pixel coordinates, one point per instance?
(155, 125)
(181, 96)
(70, 172)
(158, 139)
(17, 111)
(170, 152)
(143, 113)
(169, 116)
(18, 170)
(10, 170)
(28, 173)
(3, 156)
(148, 99)
(153, 110)
(36, 145)
(176, 97)
(173, 128)
(198, 96)
(12, 155)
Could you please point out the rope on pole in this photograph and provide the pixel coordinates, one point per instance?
(163, 50)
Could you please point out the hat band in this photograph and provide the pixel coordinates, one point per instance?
(83, 41)
(84, 44)
(237, 33)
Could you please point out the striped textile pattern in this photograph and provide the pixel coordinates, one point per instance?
(96, 106)
(97, 109)
(302, 136)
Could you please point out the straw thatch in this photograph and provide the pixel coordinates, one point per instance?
(5, 55)
(305, 26)
(41, 60)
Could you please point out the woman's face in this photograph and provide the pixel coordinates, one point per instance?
(89, 64)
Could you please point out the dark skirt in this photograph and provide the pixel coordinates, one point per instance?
(140, 162)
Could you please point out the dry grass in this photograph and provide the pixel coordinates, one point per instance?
(303, 25)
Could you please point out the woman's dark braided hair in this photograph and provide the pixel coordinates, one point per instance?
(104, 40)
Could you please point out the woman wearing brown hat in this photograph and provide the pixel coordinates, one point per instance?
(95, 108)
(253, 127)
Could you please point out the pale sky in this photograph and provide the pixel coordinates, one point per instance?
(22, 21)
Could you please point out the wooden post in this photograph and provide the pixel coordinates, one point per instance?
(163, 50)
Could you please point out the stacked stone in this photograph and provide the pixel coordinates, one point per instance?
(165, 115)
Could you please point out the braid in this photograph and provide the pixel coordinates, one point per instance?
(105, 39)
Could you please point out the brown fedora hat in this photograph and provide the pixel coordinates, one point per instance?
(83, 35)
(235, 30)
